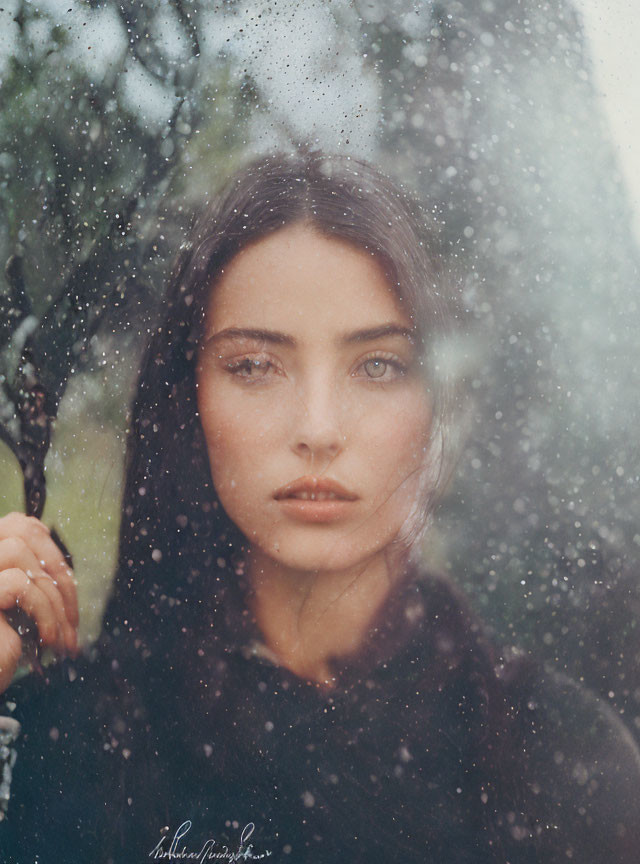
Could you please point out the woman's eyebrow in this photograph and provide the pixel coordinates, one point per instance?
(370, 333)
(367, 334)
(272, 336)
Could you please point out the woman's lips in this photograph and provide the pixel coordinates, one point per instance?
(315, 511)
(315, 499)
(314, 488)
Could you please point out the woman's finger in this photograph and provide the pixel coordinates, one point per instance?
(18, 590)
(52, 561)
(10, 653)
(38, 538)
(15, 553)
(46, 585)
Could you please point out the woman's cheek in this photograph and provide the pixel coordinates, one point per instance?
(402, 431)
(401, 453)
(238, 455)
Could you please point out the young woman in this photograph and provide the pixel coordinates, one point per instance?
(277, 676)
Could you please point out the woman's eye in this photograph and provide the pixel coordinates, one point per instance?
(249, 368)
(383, 368)
(376, 368)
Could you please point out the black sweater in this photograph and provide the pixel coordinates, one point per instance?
(431, 749)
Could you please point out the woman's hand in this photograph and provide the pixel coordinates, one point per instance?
(34, 578)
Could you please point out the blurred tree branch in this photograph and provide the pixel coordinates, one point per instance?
(94, 196)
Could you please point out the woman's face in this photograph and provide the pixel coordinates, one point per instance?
(307, 372)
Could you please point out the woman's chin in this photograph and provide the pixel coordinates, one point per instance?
(315, 557)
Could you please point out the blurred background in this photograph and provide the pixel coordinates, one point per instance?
(516, 121)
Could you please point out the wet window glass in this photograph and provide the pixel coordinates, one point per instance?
(318, 360)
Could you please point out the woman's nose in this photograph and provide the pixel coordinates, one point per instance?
(317, 429)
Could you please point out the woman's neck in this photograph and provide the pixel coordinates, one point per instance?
(306, 617)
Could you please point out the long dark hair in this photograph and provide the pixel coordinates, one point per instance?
(178, 550)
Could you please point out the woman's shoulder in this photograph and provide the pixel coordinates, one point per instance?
(581, 769)
(567, 766)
